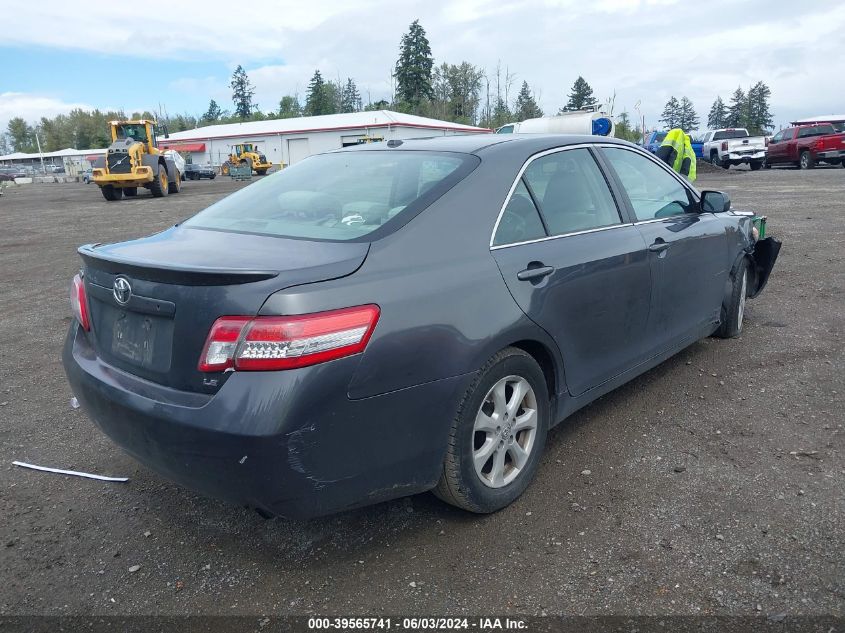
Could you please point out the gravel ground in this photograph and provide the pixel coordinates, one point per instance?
(713, 484)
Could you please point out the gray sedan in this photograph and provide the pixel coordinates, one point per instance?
(400, 317)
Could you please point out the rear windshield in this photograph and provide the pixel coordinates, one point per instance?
(816, 130)
(339, 196)
(726, 134)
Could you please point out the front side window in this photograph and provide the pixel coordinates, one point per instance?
(339, 196)
(654, 193)
(572, 192)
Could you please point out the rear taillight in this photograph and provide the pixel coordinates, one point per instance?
(79, 302)
(285, 342)
(724, 146)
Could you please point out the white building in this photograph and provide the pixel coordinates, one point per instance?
(72, 160)
(290, 140)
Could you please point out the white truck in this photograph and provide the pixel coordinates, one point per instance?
(733, 146)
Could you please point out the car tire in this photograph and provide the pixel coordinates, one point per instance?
(805, 160)
(130, 192)
(734, 313)
(112, 194)
(484, 429)
(714, 159)
(756, 165)
(767, 164)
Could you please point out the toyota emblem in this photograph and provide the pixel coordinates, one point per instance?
(122, 290)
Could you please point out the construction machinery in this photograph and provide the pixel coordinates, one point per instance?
(134, 160)
(246, 154)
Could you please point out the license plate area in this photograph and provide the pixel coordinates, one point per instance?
(138, 339)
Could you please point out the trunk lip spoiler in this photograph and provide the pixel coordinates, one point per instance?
(138, 268)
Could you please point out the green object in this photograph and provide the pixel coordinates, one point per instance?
(760, 222)
(241, 172)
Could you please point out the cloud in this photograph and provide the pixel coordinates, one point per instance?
(32, 107)
(644, 50)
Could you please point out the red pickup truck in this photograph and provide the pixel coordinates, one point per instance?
(805, 145)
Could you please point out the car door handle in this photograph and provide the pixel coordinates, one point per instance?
(533, 274)
(659, 245)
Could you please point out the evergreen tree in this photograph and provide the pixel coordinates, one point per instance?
(671, 116)
(626, 130)
(737, 110)
(501, 114)
(316, 102)
(413, 68)
(718, 115)
(289, 107)
(526, 107)
(760, 119)
(213, 113)
(581, 96)
(21, 135)
(350, 98)
(381, 104)
(242, 93)
(687, 116)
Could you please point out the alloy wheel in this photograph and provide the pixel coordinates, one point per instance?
(504, 432)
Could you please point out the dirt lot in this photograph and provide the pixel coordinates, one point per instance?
(712, 484)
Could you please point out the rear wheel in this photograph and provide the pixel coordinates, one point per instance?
(111, 193)
(734, 312)
(261, 172)
(805, 160)
(497, 436)
(130, 192)
(175, 186)
(159, 187)
(224, 168)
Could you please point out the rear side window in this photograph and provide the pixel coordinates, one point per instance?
(653, 192)
(572, 192)
(520, 221)
(341, 196)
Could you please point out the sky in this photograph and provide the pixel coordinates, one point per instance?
(58, 55)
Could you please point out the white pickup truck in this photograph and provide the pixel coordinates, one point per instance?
(733, 146)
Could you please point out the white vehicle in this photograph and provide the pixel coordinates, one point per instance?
(733, 146)
(580, 122)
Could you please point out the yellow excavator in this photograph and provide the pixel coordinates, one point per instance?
(246, 154)
(134, 160)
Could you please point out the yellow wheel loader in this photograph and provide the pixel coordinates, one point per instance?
(134, 160)
(249, 154)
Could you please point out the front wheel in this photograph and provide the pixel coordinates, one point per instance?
(112, 193)
(756, 165)
(497, 436)
(175, 186)
(130, 192)
(734, 312)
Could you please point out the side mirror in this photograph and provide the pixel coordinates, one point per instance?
(715, 202)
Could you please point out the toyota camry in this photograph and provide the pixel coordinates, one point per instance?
(399, 317)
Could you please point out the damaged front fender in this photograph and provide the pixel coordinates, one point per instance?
(763, 259)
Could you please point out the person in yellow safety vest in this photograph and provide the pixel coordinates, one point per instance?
(676, 151)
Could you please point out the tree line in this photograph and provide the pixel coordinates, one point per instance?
(460, 93)
(748, 110)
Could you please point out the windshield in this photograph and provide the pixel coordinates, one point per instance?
(339, 196)
(137, 132)
(659, 136)
(726, 134)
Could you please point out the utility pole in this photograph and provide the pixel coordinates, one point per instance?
(40, 154)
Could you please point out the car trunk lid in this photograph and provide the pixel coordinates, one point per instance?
(152, 301)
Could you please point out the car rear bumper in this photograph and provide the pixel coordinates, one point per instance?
(831, 154)
(288, 443)
(735, 157)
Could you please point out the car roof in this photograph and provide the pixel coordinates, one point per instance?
(484, 143)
